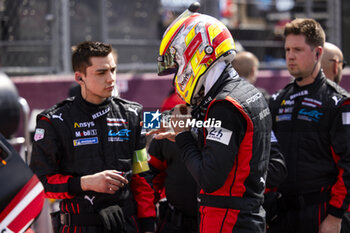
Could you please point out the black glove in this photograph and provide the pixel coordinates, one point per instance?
(113, 219)
(271, 206)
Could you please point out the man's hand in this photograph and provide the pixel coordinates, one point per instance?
(108, 181)
(330, 224)
(178, 119)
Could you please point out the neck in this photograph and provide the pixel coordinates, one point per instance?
(92, 99)
(309, 78)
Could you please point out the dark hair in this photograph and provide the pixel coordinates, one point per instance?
(82, 53)
(310, 28)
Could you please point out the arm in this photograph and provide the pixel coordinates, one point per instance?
(340, 147)
(277, 170)
(211, 165)
(158, 166)
(45, 163)
(143, 194)
(330, 224)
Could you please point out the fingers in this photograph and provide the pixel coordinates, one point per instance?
(106, 221)
(169, 135)
(181, 109)
(117, 176)
(113, 181)
(162, 133)
(112, 188)
(155, 131)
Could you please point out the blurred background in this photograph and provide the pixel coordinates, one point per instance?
(37, 35)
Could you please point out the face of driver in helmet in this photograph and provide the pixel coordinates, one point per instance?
(190, 47)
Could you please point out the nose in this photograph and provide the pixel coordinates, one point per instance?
(111, 77)
(290, 55)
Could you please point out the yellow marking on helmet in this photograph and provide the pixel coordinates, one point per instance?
(183, 94)
(189, 89)
(201, 70)
(190, 36)
(196, 59)
(225, 46)
(214, 30)
(167, 37)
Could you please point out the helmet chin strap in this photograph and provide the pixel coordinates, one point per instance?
(213, 75)
(208, 80)
(199, 109)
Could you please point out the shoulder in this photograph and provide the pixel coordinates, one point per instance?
(127, 106)
(124, 102)
(280, 94)
(335, 88)
(59, 107)
(286, 88)
(225, 111)
(334, 93)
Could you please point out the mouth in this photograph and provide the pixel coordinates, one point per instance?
(291, 65)
(111, 88)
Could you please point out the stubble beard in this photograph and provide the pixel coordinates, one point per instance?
(295, 72)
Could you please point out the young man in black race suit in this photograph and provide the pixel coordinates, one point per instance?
(89, 152)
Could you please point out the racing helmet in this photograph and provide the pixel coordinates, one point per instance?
(190, 46)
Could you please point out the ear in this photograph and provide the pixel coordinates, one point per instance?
(78, 77)
(335, 68)
(252, 76)
(319, 53)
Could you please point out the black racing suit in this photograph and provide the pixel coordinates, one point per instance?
(180, 212)
(231, 162)
(76, 138)
(312, 125)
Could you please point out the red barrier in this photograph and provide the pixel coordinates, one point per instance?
(148, 89)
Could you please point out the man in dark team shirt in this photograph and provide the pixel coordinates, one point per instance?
(311, 120)
(89, 152)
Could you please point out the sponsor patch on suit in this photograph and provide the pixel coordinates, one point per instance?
(85, 141)
(346, 118)
(219, 134)
(39, 134)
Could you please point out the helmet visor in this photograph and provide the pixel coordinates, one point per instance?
(166, 63)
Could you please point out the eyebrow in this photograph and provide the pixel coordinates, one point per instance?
(101, 69)
(105, 69)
